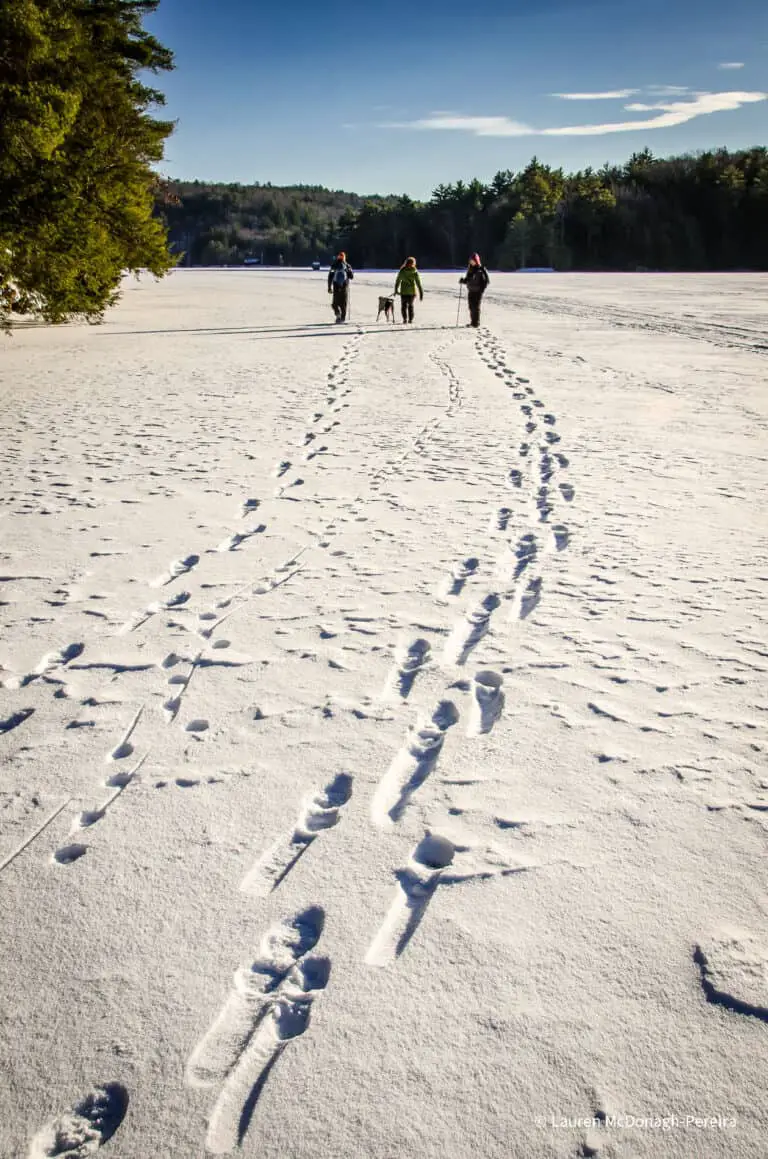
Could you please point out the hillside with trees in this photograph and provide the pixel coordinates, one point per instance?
(216, 224)
(696, 212)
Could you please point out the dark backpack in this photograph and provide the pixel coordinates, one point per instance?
(477, 279)
(340, 278)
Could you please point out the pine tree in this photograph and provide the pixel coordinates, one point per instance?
(77, 145)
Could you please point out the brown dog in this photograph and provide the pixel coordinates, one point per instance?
(387, 308)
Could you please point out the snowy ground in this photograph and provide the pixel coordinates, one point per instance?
(383, 723)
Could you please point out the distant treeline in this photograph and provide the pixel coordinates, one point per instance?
(214, 224)
(695, 212)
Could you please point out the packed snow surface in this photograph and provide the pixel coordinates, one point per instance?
(383, 723)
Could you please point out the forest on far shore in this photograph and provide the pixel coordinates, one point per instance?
(705, 211)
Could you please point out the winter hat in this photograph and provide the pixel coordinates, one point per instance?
(475, 260)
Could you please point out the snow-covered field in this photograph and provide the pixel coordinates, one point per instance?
(383, 723)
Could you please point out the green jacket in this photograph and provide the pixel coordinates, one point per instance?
(408, 281)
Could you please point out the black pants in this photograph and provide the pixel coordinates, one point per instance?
(406, 305)
(473, 301)
(339, 301)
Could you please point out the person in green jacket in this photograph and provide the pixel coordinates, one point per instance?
(407, 285)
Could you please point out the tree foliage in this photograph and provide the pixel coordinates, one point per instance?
(77, 145)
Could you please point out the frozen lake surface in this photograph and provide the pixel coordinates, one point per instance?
(383, 723)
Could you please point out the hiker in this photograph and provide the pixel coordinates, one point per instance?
(475, 279)
(407, 284)
(340, 275)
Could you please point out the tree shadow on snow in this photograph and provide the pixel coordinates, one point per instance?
(222, 329)
(310, 330)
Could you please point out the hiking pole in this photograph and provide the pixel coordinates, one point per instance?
(458, 308)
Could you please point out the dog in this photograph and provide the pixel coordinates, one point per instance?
(387, 308)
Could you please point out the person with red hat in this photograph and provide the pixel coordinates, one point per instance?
(340, 275)
(476, 279)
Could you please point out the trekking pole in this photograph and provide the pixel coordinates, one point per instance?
(458, 308)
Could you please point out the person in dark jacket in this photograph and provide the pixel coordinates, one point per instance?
(476, 279)
(340, 275)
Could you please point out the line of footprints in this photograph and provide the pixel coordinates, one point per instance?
(337, 389)
(53, 665)
(177, 671)
(270, 1000)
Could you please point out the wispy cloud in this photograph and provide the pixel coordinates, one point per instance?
(480, 126)
(667, 115)
(666, 90)
(616, 95)
(731, 64)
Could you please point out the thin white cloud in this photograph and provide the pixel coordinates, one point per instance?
(667, 90)
(616, 95)
(667, 115)
(731, 64)
(480, 126)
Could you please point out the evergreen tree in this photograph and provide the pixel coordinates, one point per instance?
(77, 144)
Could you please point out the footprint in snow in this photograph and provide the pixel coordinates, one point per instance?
(487, 702)
(501, 519)
(83, 1130)
(733, 970)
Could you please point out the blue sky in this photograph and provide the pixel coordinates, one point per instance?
(391, 98)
